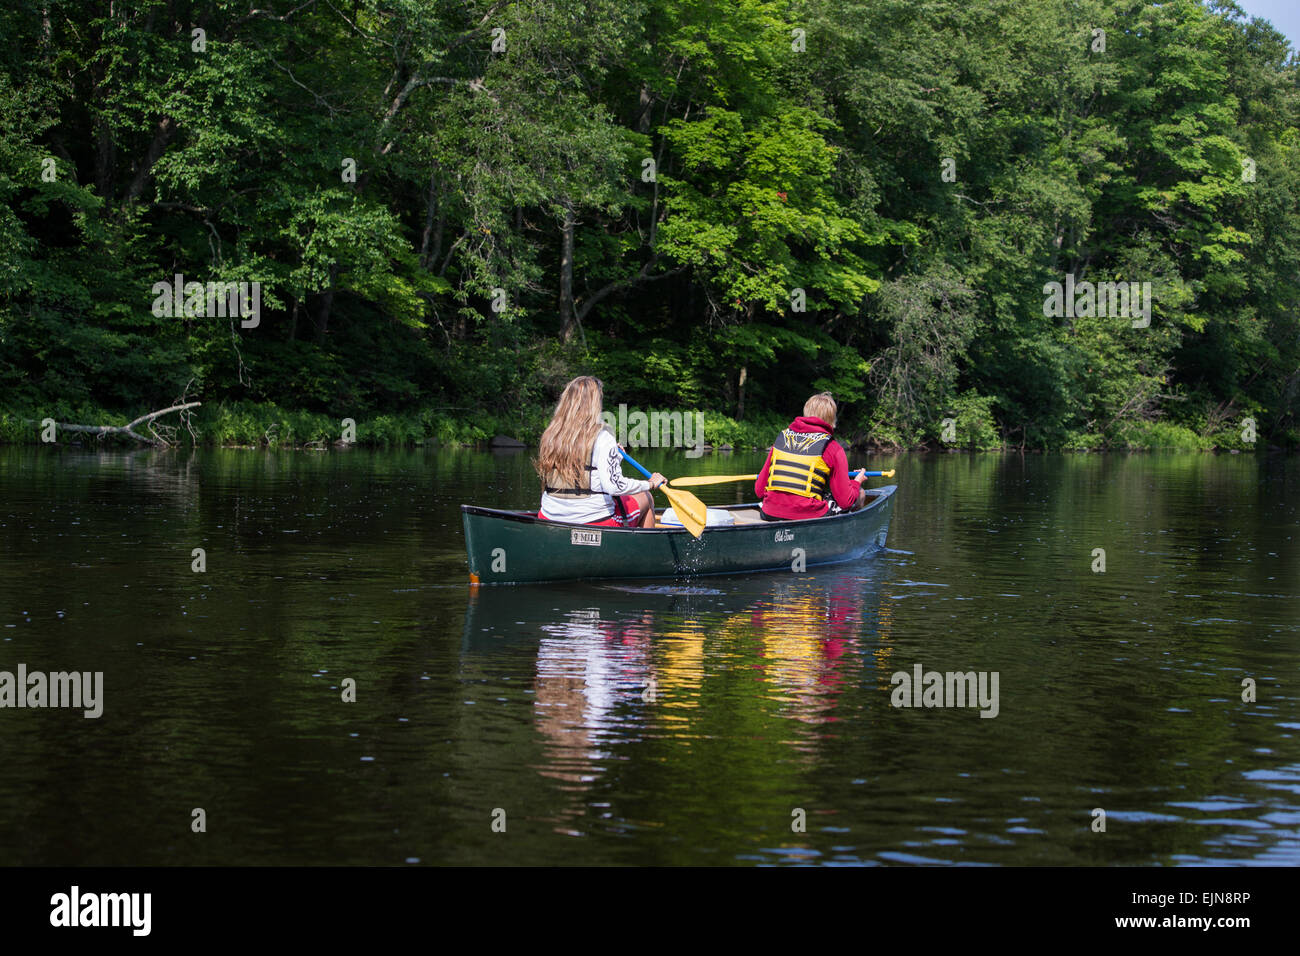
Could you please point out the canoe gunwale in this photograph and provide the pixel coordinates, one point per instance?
(879, 496)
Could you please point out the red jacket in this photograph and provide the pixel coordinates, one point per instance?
(781, 504)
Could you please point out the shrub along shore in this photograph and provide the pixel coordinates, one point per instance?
(247, 425)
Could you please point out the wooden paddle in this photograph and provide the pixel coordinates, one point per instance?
(719, 479)
(690, 510)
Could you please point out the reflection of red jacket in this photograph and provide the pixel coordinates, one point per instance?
(782, 504)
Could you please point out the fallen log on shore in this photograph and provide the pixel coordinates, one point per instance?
(127, 429)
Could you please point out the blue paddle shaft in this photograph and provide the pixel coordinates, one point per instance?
(633, 462)
(637, 465)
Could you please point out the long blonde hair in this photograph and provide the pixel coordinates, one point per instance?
(565, 449)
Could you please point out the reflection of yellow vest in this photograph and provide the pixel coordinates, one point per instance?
(797, 466)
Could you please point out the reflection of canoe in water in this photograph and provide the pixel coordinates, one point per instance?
(515, 547)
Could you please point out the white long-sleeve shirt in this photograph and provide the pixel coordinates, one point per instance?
(607, 480)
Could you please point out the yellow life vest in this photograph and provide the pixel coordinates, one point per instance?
(797, 466)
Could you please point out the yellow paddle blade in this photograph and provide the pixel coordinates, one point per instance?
(887, 474)
(691, 482)
(690, 510)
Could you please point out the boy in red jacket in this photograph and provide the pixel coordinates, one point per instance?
(806, 474)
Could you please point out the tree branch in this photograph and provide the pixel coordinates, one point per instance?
(617, 284)
(127, 429)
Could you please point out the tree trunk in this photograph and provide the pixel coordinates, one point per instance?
(127, 429)
(434, 219)
(645, 103)
(326, 305)
(163, 133)
(105, 160)
(323, 315)
(568, 315)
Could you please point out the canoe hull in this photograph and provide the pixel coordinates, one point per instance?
(510, 547)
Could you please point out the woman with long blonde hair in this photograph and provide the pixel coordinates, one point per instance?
(582, 470)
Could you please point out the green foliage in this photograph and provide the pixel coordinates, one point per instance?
(932, 321)
(264, 426)
(671, 194)
(1143, 434)
(720, 430)
(974, 424)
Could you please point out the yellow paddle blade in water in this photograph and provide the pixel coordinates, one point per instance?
(690, 510)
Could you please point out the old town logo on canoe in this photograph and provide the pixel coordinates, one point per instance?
(584, 537)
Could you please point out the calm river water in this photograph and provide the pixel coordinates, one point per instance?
(717, 720)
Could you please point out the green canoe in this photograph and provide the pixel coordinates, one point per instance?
(517, 547)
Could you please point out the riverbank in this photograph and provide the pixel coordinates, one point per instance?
(271, 426)
(251, 425)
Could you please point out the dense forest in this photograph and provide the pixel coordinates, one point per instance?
(450, 207)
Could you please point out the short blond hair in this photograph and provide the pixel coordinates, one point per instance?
(821, 406)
